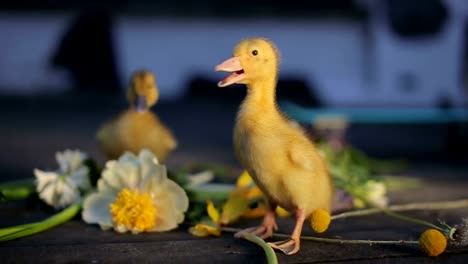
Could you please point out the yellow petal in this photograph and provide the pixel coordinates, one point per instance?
(320, 220)
(281, 212)
(256, 212)
(236, 205)
(213, 213)
(244, 180)
(202, 230)
(254, 193)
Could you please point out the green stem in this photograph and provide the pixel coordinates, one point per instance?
(411, 219)
(13, 229)
(336, 241)
(212, 191)
(33, 228)
(15, 190)
(269, 252)
(406, 207)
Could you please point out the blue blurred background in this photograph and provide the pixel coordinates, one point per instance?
(64, 66)
(365, 53)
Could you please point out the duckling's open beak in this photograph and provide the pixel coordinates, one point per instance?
(231, 65)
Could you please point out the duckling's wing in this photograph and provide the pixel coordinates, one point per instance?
(300, 153)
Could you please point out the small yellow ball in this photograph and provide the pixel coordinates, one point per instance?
(320, 220)
(432, 242)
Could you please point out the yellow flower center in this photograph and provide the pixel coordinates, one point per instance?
(432, 242)
(320, 220)
(134, 210)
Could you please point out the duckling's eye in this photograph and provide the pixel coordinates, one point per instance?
(255, 52)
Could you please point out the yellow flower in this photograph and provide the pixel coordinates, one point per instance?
(432, 242)
(320, 220)
(204, 230)
(134, 194)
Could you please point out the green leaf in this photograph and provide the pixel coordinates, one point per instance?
(14, 232)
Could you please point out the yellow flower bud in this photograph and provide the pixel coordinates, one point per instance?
(432, 242)
(320, 220)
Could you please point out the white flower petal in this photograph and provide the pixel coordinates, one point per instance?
(110, 176)
(96, 209)
(376, 193)
(153, 179)
(108, 182)
(70, 160)
(120, 174)
(171, 205)
(59, 194)
(146, 156)
(129, 175)
(48, 193)
(103, 186)
(128, 157)
(43, 178)
(178, 196)
(80, 178)
(166, 218)
(69, 194)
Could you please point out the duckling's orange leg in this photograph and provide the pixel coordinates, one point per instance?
(292, 245)
(266, 229)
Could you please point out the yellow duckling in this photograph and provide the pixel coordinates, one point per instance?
(283, 162)
(137, 127)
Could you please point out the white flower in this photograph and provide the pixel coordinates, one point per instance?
(376, 194)
(62, 187)
(134, 194)
(373, 193)
(72, 163)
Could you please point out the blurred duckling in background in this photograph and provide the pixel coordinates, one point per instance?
(278, 155)
(137, 127)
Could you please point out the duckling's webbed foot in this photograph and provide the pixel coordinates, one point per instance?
(265, 230)
(292, 245)
(288, 247)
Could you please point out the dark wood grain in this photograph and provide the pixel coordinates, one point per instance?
(31, 131)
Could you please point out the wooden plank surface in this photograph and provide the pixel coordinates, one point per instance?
(32, 131)
(77, 242)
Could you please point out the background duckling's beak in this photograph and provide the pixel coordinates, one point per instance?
(140, 103)
(231, 65)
